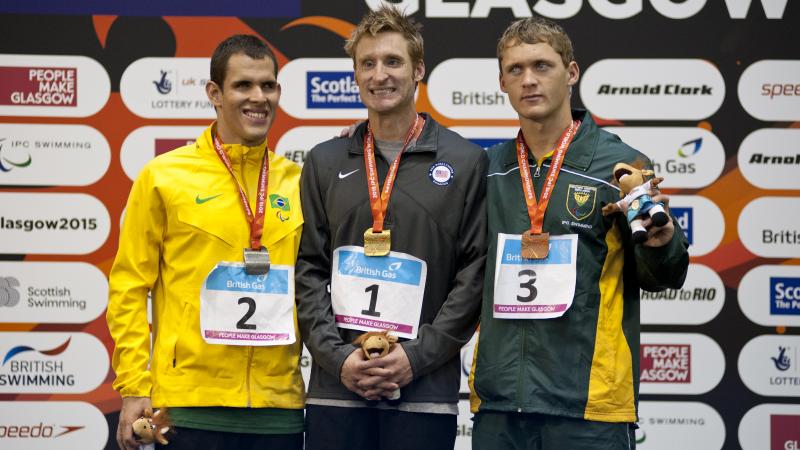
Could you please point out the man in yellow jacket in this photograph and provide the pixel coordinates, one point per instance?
(211, 231)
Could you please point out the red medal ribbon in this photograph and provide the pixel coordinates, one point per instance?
(536, 211)
(379, 202)
(256, 220)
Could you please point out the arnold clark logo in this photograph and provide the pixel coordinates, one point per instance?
(320, 88)
(769, 295)
(167, 88)
(51, 292)
(653, 89)
(48, 363)
(145, 143)
(295, 144)
(768, 365)
(770, 158)
(771, 426)
(679, 425)
(52, 425)
(687, 157)
(50, 85)
(467, 88)
(768, 227)
(679, 363)
(487, 137)
(49, 155)
(769, 90)
(60, 224)
(699, 300)
(701, 221)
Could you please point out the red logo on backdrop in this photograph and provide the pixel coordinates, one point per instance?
(165, 145)
(665, 363)
(784, 432)
(38, 86)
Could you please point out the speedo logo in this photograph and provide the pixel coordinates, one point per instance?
(39, 430)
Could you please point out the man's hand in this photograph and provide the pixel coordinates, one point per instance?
(658, 236)
(361, 375)
(132, 409)
(394, 369)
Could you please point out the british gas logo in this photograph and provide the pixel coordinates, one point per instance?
(766, 229)
(316, 88)
(466, 88)
(687, 157)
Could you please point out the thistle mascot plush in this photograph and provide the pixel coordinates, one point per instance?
(151, 427)
(376, 344)
(636, 202)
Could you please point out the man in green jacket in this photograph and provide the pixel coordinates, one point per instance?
(556, 365)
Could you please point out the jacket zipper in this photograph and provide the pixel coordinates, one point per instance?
(521, 376)
(538, 170)
(247, 373)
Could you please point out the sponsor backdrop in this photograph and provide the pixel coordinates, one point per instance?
(710, 90)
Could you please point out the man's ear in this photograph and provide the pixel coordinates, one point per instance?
(419, 71)
(502, 82)
(573, 73)
(214, 93)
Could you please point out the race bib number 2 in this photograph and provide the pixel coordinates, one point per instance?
(534, 288)
(371, 293)
(241, 309)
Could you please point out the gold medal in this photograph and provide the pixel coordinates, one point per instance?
(535, 246)
(377, 244)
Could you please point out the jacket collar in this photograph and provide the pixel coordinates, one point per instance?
(581, 150)
(426, 142)
(236, 152)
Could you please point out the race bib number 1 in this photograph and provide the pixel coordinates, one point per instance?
(534, 288)
(372, 293)
(241, 309)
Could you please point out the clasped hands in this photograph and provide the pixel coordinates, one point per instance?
(378, 377)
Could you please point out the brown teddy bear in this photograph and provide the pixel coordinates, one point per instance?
(635, 199)
(152, 427)
(376, 344)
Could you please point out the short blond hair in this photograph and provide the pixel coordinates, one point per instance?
(535, 30)
(386, 19)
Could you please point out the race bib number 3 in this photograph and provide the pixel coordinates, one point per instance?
(371, 293)
(534, 288)
(241, 309)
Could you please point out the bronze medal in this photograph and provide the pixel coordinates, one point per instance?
(535, 246)
(377, 244)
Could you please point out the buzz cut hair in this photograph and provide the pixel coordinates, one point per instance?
(247, 44)
(388, 19)
(536, 30)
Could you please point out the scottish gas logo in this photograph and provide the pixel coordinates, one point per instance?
(769, 295)
(320, 88)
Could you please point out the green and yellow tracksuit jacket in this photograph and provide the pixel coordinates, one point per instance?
(584, 364)
(184, 215)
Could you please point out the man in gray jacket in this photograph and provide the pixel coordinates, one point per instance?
(394, 239)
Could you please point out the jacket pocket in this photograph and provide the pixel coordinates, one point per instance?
(174, 348)
(217, 227)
